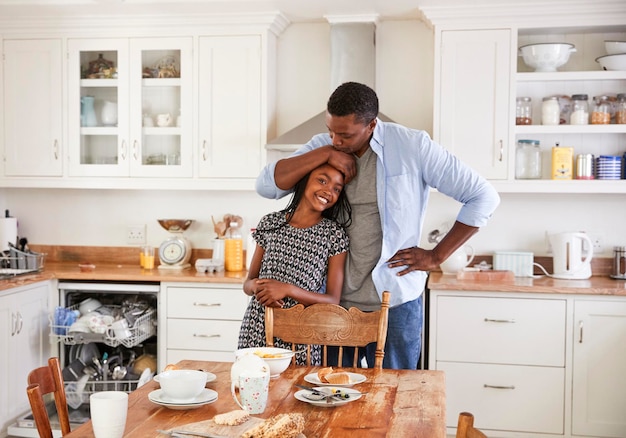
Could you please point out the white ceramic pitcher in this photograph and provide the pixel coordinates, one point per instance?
(459, 259)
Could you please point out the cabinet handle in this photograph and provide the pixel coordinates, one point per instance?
(20, 323)
(580, 332)
(135, 150)
(56, 149)
(206, 336)
(123, 150)
(499, 386)
(510, 321)
(204, 150)
(13, 324)
(501, 150)
(207, 304)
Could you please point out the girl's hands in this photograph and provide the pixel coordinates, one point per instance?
(271, 292)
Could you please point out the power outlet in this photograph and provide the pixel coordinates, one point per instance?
(597, 239)
(136, 234)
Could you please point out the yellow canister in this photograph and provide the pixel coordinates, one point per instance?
(562, 162)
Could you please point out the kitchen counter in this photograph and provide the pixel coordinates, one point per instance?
(600, 285)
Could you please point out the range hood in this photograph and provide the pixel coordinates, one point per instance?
(352, 58)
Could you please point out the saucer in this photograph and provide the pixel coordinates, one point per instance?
(354, 379)
(206, 396)
(210, 377)
(353, 395)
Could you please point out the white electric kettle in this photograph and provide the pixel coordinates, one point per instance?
(568, 261)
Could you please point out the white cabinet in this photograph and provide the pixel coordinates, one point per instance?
(24, 344)
(472, 105)
(499, 353)
(201, 321)
(118, 87)
(230, 113)
(599, 389)
(33, 107)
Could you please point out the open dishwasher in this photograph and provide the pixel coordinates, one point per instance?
(94, 356)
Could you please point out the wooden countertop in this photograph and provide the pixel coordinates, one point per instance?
(600, 285)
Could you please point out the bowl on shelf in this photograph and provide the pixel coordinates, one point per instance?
(277, 359)
(546, 57)
(615, 47)
(613, 62)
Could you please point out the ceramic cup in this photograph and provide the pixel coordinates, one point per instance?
(108, 413)
(120, 330)
(164, 120)
(253, 390)
(147, 121)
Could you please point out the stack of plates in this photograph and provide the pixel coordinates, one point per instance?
(609, 167)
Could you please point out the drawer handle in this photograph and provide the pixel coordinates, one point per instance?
(207, 304)
(580, 333)
(499, 386)
(511, 321)
(205, 336)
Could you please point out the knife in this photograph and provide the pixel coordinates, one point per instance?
(175, 432)
(318, 392)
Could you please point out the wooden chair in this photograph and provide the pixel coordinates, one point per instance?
(466, 429)
(329, 325)
(46, 380)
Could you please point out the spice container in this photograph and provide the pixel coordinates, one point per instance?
(527, 159)
(619, 262)
(523, 111)
(550, 111)
(580, 110)
(584, 166)
(601, 114)
(620, 109)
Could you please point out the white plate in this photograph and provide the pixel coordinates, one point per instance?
(335, 401)
(206, 396)
(210, 377)
(354, 379)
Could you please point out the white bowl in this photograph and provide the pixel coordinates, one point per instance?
(277, 359)
(546, 57)
(615, 47)
(613, 62)
(182, 386)
(89, 305)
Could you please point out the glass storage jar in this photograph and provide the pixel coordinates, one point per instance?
(528, 159)
(580, 110)
(601, 114)
(550, 111)
(620, 109)
(523, 111)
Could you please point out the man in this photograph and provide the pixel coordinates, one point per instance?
(389, 170)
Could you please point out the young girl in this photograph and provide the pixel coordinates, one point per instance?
(298, 248)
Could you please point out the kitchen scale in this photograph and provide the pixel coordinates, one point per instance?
(175, 252)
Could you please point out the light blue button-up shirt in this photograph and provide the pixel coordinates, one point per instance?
(408, 164)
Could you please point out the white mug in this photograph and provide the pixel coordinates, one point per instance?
(458, 260)
(108, 413)
(164, 120)
(119, 329)
(253, 390)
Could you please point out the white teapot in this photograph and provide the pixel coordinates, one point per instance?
(458, 260)
(164, 120)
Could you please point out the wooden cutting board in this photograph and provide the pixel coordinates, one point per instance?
(493, 275)
(209, 426)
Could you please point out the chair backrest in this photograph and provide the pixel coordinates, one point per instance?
(329, 325)
(46, 380)
(466, 429)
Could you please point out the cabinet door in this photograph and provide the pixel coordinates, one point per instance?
(473, 99)
(230, 113)
(98, 77)
(7, 329)
(33, 107)
(599, 389)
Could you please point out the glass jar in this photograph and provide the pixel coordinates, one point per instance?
(580, 110)
(550, 111)
(601, 114)
(620, 109)
(523, 111)
(528, 159)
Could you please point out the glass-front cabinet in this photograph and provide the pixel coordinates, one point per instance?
(127, 98)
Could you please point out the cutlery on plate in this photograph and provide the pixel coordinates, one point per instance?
(177, 432)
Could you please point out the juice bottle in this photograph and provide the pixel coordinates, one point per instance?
(233, 249)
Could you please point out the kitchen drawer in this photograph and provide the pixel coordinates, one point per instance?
(532, 399)
(206, 303)
(197, 334)
(501, 330)
(175, 356)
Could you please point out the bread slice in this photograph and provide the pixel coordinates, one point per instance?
(278, 426)
(338, 378)
(322, 373)
(232, 418)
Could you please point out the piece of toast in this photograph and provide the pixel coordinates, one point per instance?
(323, 372)
(232, 418)
(338, 378)
(278, 426)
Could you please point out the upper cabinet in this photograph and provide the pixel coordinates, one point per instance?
(479, 73)
(33, 107)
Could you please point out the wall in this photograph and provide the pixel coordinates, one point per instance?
(404, 56)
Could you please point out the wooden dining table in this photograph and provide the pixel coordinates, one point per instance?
(398, 404)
